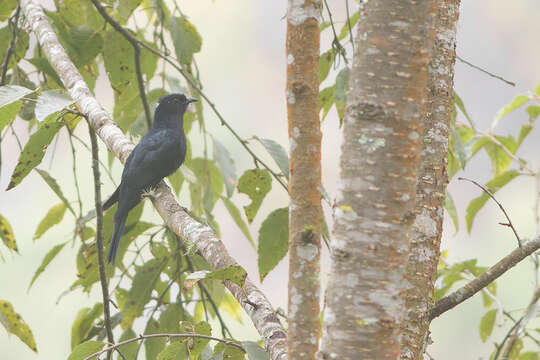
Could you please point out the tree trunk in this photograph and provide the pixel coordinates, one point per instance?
(431, 183)
(305, 177)
(365, 305)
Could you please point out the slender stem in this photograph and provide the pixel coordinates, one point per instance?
(13, 21)
(99, 238)
(150, 336)
(485, 71)
(74, 167)
(103, 166)
(349, 24)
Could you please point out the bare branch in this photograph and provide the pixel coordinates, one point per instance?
(488, 276)
(211, 248)
(509, 224)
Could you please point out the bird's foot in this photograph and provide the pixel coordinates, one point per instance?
(148, 193)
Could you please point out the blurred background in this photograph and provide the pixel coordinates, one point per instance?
(242, 65)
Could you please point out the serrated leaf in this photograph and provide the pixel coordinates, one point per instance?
(12, 93)
(46, 261)
(186, 39)
(278, 153)
(493, 186)
(273, 240)
(85, 349)
(83, 324)
(237, 217)
(487, 323)
(54, 187)
(54, 216)
(325, 63)
(50, 102)
(129, 350)
(226, 165)
(518, 101)
(233, 273)
(15, 325)
(8, 113)
(34, 150)
(450, 207)
(141, 290)
(6, 234)
(256, 184)
(254, 351)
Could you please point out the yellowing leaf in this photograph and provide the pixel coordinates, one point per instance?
(6, 234)
(53, 217)
(15, 325)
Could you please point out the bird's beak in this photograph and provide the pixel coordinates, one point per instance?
(190, 100)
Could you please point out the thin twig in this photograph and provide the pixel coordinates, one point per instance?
(509, 261)
(103, 166)
(506, 337)
(349, 24)
(13, 21)
(494, 140)
(485, 71)
(136, 49)
(150, 336)
(99, 238)
(509, 224)
(74, 168)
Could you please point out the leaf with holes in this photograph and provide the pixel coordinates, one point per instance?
(15, 325)
(273, 240)
(6, 234)
(256, 184)
(35, 148)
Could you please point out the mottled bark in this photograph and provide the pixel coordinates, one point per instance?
(213, 250)
(305, 177)
(431, 184)
(383, 129)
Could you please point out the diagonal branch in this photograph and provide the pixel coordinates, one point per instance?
(212, 249)
(488, 276)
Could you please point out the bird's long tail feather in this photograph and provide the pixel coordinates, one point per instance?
(112, 199)
(115, 240)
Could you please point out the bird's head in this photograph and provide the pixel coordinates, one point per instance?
(174, 103)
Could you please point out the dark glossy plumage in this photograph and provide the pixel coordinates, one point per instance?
(159, 153)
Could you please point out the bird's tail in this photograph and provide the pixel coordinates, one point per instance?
(115, 240)
(112, 199)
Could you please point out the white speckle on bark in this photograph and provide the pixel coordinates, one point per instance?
(290, 97)
(413, 135)
(307, 252)
(373, 51)
(292, 145)
(400, 24)
(352, 280)
(290, 59)
(405, 197)
(329, 316)
(296, 132)
(297, 14)
(425, 224)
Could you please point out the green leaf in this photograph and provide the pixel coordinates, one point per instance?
(87, 267)
(50, 102)
(229, 352)
(278, 153)
(345, 29)
(326, 100)
(85, 349)
(46, 261)
(273, 240)
(55, 187)
(12, 93)
(144, 281)
(231, 306)
(237, 217)
(493, 186)
(174, 351)
(461, 106)
(492, 288)
(533, 112)
(7, 8)
(118, 55)
(254, 351)
(486, 324)
(125, 8)
(176, 179)
(340, 92)
(518, 101)
(34, 150)
(8, 113)
(54, 216)
(196, 345)
(451, 209)
(129, 350)
(459, 147)
(325, 63)
(6, 234)
(15, 324)
(226, 165)
(153, 346)
(256, 184)
(83, 324)
(21, 44)
(529, 355)
(44, 66)
(186, 39)
(233, 273)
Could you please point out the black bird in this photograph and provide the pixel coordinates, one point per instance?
(159, 153)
